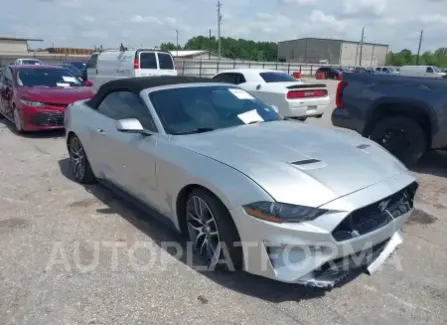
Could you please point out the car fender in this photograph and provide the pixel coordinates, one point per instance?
(377, 108)
(184, 167)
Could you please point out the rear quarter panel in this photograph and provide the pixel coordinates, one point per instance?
(365, 93)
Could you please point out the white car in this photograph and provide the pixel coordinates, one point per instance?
(26, 62)
(292, 97)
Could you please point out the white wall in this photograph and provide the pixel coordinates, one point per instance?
(13, 46)
(373, 55)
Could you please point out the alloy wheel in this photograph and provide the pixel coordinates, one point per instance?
(203, 231)
(77, 158)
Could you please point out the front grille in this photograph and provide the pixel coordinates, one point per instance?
(57, 105)
(48, 119)
(376, 215)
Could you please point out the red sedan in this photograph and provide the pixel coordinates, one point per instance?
(34, 97)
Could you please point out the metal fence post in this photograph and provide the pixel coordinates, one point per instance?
(288, 68)
(183, 67)
(200, 68)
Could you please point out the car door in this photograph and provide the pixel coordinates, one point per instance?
(148, 64)
(130, 156)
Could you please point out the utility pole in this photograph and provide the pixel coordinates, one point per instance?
(177, 40)
(361, 46)
(219, 22)
(419, 47)
(209, 45)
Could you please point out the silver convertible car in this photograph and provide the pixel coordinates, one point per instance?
(251, 190)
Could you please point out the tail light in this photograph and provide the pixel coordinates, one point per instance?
(296, 94)
(136, 62)
(339, 94)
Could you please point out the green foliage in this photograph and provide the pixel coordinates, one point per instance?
(405, 57)
(231, 48)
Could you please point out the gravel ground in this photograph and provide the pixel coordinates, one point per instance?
(68, 256)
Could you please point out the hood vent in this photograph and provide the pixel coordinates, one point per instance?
(309, 164)
(305, 162)
(363, 146)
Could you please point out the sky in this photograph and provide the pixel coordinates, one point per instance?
(88, 23)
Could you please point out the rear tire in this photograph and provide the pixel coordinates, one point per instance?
(401, 136)
(214, 227)
(319, 116)
(79, 163)
(302, 119)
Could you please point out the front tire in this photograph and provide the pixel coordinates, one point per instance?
(79, 163)
(18, 121)
(401, 136)
(212, 232)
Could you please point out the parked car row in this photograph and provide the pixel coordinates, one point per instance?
(216, 160)
(34, 97)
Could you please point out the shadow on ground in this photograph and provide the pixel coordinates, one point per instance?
(8, 125)
(433, 163)
(239, 281)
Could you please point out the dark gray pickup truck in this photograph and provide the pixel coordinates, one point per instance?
(406, 115)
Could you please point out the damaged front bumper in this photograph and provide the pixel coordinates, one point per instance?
(335, 271)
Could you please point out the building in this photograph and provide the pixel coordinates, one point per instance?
(332, 51)
(15, 45)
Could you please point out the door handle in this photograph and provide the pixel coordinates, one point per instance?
(101, 131)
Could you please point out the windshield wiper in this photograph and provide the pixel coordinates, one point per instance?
(198, 130)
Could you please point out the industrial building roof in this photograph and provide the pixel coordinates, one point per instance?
(333, 39)
(4, 38)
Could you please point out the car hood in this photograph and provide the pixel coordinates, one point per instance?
(295, 162)
(56, 95)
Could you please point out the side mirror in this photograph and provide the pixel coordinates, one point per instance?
(130, 125)
(88, 83)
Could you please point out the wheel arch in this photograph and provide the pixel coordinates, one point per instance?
(419, 112)
(182, 197)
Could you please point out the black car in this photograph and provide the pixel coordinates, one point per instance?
(80, 65)
(74, 70)
(330, 72)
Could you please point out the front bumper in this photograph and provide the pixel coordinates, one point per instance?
(37, 119)
(301, 252)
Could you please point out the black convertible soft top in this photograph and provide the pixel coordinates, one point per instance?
(136, 85)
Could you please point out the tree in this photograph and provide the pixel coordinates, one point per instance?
(437, 58)
(231, 48)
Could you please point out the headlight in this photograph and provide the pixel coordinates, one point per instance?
(31, 103)
(282, 212)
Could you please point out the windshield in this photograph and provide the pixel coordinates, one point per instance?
(436, 69)
(276, 77)
(78, 65)
(209, 107)
(47, 77)
(73, 70)
(30, 62)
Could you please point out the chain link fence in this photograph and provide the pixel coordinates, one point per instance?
(187, 67)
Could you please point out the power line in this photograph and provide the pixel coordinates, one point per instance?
(419, 47)
(219, 23)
